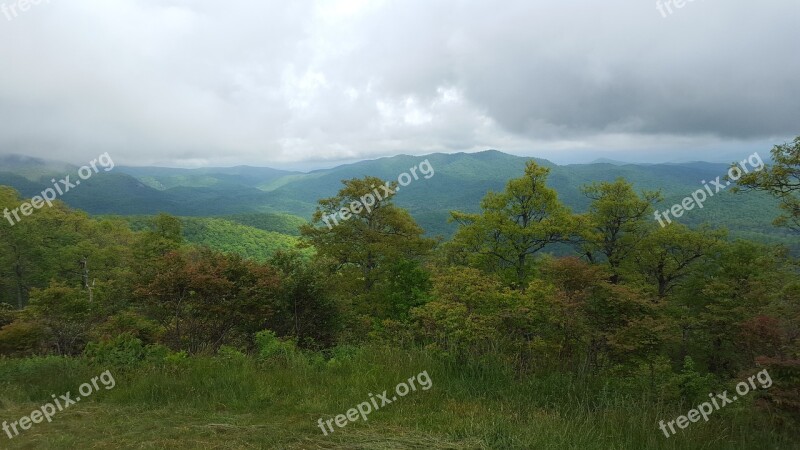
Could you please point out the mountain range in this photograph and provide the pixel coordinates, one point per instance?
(459, 183)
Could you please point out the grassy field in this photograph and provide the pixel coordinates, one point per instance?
(232, 403)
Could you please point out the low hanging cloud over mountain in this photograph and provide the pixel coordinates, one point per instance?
(196, 82)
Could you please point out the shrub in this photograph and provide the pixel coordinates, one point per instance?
(21, 339)
(341, 354)
(131, 323)
(784, 397)
(121, 351)
(7, 314)
(156, 353)
(270, 347)
(231, 354)
(177, 358)
(694, 385)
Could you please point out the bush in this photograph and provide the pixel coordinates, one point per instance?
(342, 353)
(7, 314)
(156, 353)
(21, 339)
(231, 354)
(177, 358)
(693, 384)
(784, 397)
(121, 351)
(131, 323)
(270, 347)
(161, 356)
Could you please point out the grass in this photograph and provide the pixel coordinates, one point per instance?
(215, 403)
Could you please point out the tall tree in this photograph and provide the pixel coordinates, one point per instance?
(514, 225)
(360, 235)
(617, 221)
(365, 235)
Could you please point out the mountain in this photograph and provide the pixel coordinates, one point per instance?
(459, 183)
(241, 176)
(32, 168)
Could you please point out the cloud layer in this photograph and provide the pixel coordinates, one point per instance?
(189, 83)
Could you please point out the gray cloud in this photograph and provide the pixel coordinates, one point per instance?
(284, 82)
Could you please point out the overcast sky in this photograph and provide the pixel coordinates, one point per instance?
(300, 83)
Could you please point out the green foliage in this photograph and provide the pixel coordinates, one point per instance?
(127, 351)
(7, 314)
(121, 351)
(231, 354)
(342, 355)
(465, 317)
(694, 386)
(617, 221)
(726, 307)
(51, 243)
(65, 314)
(304, 307)
(230, 237)
(669, 253)
(156, 353)
(162, 235)
(21, 339)
(641, 318)
(179, 358)
(278, 223)
(364, 250)
(406, 286)
(128, 322)
(252, 236)
(269, 347)
(782, 181)
(514, 225)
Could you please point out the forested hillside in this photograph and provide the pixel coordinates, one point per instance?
(460, 182)
(399, 225)
(634, 325)
(254, 236)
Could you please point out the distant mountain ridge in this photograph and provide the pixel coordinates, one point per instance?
(460, 182)
(613, 162)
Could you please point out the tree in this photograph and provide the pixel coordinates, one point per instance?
(733, 307)
(18, 253)
(617, 221)
(304, 307)
(368, 235)
(782, 181)
(205, 299)
(406, 287)
(66, 316)
(667, 255)
(164, 235)
(514, 225)
(51, 243)
(465, 319)
(599, 321)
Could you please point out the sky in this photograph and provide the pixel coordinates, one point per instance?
(307, 84)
